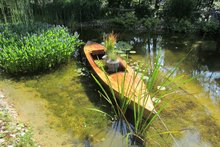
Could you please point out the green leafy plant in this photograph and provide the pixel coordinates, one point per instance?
(110, 44)
(27, 140)
(36, 52)
(180, 26)
(150, 82)
(211, 25)
(179, 9)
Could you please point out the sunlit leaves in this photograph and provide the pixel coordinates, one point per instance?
(36, 52)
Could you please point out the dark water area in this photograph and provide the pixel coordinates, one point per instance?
(56, 104)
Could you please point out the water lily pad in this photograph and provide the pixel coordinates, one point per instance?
(132, 52)
(122, 45)
(123, 55)
(120, 51)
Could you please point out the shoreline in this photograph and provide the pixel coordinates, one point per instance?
(12, 131)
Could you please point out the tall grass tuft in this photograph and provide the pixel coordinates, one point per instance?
(151, 81)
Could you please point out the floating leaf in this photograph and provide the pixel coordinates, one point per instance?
(132, 52)
(120, 52)
(123, 55)
(122, 45)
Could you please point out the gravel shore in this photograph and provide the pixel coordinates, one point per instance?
(12, 132)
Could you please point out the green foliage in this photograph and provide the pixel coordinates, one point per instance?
(179, 8)
(16, 11)
(124, 46)
(35, 52)
(154, 82)
(151, 24)
(208, 26)
(23, 29)
(26, 140)
(110, 44)
(181, 26)
(143, 10)
(127, 20)
(64, 12)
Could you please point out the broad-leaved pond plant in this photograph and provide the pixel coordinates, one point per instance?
(27, 53)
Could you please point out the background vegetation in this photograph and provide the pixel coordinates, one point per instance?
(171, 15)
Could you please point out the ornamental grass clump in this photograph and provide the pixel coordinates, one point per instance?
(36, 52)
(110, 45)
(153, 83)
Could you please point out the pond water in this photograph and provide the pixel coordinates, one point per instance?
(56, 104)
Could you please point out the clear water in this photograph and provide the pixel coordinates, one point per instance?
(56, 104)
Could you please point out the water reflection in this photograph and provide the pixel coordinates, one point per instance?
(191, 139)
(203, 60)
(208, 80)
(202, 109)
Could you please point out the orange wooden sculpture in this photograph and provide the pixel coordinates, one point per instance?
(134, 87)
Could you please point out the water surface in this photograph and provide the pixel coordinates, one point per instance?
(56, 104)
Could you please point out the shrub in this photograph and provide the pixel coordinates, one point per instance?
(127, 20)
(151, 24)
(181, 26)
(143, 10)
(24, 29)
(208, 26)
(64, 11)
(36, 52)
(179, 8)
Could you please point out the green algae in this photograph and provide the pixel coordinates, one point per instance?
(67, 95)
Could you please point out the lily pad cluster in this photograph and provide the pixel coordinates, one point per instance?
(123, 48)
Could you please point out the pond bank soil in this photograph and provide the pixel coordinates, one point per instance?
(31, 110)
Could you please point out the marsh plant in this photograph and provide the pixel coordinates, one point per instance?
(27, 53)
(110, 41)
(151, 81)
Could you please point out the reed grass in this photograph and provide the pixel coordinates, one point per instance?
(141, 123)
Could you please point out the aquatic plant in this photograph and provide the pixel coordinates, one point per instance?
(110, 45)
(36, 52)
(151, 82)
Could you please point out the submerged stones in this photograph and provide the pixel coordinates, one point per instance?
(11, 131)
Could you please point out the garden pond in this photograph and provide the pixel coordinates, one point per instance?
(56, 104)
